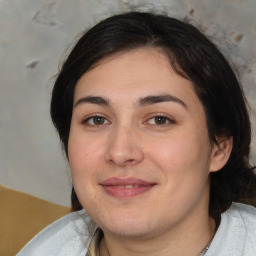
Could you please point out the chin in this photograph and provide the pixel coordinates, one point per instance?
(127, 227)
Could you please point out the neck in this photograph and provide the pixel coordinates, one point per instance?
(190, 242)
(188, 237)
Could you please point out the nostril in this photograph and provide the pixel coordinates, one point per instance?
(120, 160)
(123, 148)
(123, 158)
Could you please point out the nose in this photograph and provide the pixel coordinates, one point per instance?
(124, 147)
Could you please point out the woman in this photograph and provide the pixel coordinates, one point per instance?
(155, 128)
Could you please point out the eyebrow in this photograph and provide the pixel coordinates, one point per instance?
(149, 100)
(93, 100)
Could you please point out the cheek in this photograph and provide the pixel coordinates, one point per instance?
(83, 151)
(84, 165)
(84, 155)
(182, 157)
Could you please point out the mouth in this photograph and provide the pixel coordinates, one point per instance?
(126, 187)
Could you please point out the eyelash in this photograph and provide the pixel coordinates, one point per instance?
(167, 120)
(102, 120)
(94, 118)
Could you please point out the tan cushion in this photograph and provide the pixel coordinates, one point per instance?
(22, 216)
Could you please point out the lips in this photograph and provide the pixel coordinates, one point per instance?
(126, 187)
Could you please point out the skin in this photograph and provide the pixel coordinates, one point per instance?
(128, 140)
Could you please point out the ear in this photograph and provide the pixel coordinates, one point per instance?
(221, 153)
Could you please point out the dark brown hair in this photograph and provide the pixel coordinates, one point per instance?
(193, 56)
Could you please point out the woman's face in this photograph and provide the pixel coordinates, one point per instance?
(138, 148)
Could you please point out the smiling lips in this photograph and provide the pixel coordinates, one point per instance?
(127, 187)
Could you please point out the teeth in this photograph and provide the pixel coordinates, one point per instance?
(128, 186)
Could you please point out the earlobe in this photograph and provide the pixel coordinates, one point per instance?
(221, 153)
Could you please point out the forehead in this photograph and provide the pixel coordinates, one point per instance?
(134, 74)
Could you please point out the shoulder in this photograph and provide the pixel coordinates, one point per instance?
(244, 215)
(236, 234)
(69, 235)
(240, 221)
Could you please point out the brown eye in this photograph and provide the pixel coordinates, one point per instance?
(160, 120)
(96, 121)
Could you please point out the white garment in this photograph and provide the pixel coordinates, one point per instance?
(72, 234)
(68, 236)
(236, 235)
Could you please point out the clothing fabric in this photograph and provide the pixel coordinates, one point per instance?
(72, 235)
(94, 246)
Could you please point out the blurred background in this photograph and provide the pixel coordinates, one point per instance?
(36, 34)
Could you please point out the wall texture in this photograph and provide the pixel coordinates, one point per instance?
(33, 37)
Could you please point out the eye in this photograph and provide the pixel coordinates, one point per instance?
(95, 121)
(160, 120)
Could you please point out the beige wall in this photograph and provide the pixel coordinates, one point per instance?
(33, 36)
